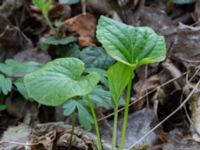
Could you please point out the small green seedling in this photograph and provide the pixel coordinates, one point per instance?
(60, 80)
(44, 6)
(131, 47)
(80, 105)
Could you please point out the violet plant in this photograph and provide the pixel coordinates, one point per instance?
(131, 47)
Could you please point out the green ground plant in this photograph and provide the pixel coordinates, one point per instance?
(11, 75)
(131, 47)
(44, 7)
(60, 80)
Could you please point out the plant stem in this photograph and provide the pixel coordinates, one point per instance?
(96, 124)
(72, 131)
(128, 95)
(49, 23)
(114, 135)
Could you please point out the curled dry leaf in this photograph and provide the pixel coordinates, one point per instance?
(18, 134)
(9, 6)
(197, 12)
(179, 140)
(60, 133)
(32, 55)
(44, 142)
(142, 87)
(186, 47)
(84, 25)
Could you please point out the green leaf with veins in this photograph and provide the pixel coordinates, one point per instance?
(15, 68)
(21, 88)
(43, 5)
(119, 76)
(133, 46)
(84, 117)
(69, 107)
(96, 58)
(59, 41)
(102, 74)
(60, 80)
(5, 84)
(101, 97)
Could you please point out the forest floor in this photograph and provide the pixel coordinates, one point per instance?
(164, 112)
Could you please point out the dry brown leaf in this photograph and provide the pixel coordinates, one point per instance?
(141, 87)
(84, 25)
(186, 47)
(45, 142)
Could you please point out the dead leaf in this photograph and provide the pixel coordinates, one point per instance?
(9, 6)
(179, 140)
(84, 25)
(196, 14)
(82, 140)
(139, 123)
(32, 55)
(44, 142)
(18, 134)
(12, 34)
(142, 87)
(186, 47)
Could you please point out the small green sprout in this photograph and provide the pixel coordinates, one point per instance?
(44, 6)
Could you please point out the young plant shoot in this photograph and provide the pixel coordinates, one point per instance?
(44, 7)
(58, 81)
(131, 47)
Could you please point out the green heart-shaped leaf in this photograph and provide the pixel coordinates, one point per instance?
(130, 45)
(60, 80)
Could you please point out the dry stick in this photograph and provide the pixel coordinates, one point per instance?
(18, 143)
(176, 110)
(83, 5)
(185, 109)
(140, 98)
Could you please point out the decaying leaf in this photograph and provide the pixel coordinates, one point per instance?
(179, 140)
(12, 34)
(140, 123)
(84, 25)
(18, 134)
(9, 6)
(186, 47)
(142, 87)
(60, 134)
